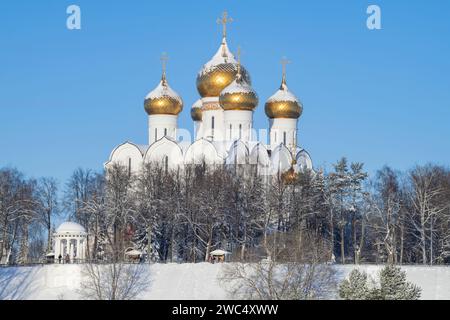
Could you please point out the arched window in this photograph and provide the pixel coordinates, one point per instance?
(129, 167)
(212, 126)
(231, 131)
(156, 134)
(165, 132)
(284, 137)
(240, 131)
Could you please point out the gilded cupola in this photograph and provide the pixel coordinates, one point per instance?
(283, 104)
(163, 99)
(239, 95)
(221, 70)
(196, 111)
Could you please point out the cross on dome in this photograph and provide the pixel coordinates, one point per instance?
(224, 21)
(164, 59)
(284, 63)
(238, 54)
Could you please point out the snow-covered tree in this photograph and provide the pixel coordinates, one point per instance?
(391, 284)
(356, 287)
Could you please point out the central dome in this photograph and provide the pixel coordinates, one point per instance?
(219, 73)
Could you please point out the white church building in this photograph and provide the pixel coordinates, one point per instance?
(223, 123)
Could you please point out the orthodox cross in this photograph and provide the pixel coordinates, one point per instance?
(284, 63)
(164, 59)
(224, 21)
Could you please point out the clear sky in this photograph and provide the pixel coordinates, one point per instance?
(67, 98)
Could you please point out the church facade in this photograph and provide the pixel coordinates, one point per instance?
(223, 123)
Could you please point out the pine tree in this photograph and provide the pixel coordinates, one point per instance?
(355, 287)
(393, 285)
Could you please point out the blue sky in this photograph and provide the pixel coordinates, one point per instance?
(68, 97)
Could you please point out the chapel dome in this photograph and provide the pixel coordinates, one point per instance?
(196, 111)
(163, 100)
(239, 95)
(283, 104)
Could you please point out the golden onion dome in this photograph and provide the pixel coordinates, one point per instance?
(163, 100)
(239, 95)
(219, 73)
(196, 111)
(290, 177)
(283, 104)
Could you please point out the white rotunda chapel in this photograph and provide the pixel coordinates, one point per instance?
(70, 240)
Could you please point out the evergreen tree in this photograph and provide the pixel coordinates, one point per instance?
(355, 287)
(393, 285)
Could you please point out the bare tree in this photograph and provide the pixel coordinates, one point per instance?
(425, 195)
(385, 206)
(114, 281)
(289, 273)
(48, 205)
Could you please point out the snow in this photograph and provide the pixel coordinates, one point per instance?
(238, 87)
(198, 104)
(283, 95)
(180, 281)
(163, 90)
(223, 55)
(219, 253)
(70, 227)
(133, 252)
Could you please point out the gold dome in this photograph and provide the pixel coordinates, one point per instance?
(196, 111)
(283, 104)
(163, 100)
(290, 177)
(239, 95)
(219, 73)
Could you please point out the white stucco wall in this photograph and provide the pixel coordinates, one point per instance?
(162, 125)
(281, 127)
(128, 155)
(238, 124)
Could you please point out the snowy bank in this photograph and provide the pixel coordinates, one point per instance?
(178, 281)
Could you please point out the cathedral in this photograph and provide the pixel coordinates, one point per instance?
(223, 122)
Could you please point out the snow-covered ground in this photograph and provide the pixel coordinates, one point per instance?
(178, 281)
